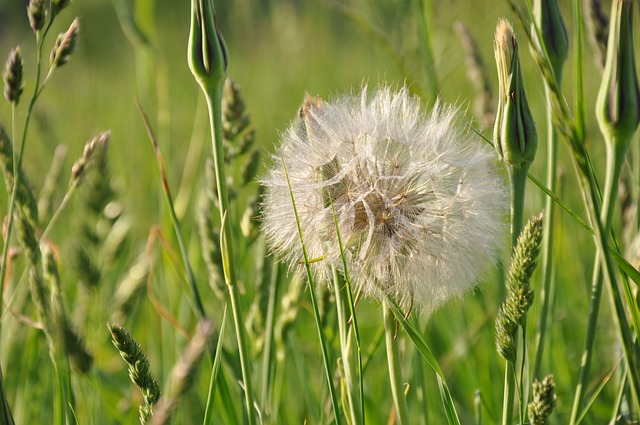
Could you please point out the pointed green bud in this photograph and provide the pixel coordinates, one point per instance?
(554, 33)
(618, 104)
(514, 133)
(207, 52)
(12, 76)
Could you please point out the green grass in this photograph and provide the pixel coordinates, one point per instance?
(278, 51)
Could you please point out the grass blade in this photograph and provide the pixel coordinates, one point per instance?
(420, 344)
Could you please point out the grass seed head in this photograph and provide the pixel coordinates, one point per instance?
(418, 200)
(513, 311)
(36, 13)
(90, 148)
(12, 76)
(543, 400)
(139, 368)
(65, 45)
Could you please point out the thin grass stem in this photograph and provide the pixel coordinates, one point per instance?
(395, 366)
(268, 364)
(345, 348)
(316, 311)
(615, 160)
(359, 417)
(548, 266)
(215, 372)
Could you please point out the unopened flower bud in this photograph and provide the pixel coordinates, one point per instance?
(207, 52)
(12, 76)
(618, 104)
(514, 133)
(554, 33)
(35, 11)
(65, 45)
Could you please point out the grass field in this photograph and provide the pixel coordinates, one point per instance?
(116, 232)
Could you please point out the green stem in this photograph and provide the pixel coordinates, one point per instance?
(615, 160)
(427, 23)
(509, 390)
(5, 411)
(267, 356)
(547, 241)
(395, 366)
(214, 102)
(17, 165)
(592, 200)
(316, 312)
(345, 348)
(518, 180)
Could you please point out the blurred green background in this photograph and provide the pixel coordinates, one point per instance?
(279, 50)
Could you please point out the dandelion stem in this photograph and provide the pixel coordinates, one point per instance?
(214, 102)
(395, 366)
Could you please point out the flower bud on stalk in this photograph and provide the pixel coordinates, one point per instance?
(12, 76)
(618, 104)
(514, 134)
(554, 33)
(207, 51)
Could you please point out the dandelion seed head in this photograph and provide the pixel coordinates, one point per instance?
(418, 200)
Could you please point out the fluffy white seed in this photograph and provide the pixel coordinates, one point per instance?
(420, 205)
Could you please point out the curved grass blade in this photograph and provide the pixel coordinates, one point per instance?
(316, 311)
(208, 412)
(420, 344)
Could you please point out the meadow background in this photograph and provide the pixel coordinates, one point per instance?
(279, 50)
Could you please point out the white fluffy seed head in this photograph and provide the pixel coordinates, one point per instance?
(419, 202)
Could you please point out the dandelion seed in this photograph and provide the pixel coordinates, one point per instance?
(418, 200)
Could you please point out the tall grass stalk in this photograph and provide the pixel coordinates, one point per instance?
(556, 42)
(316, 313)
(358, 416)
(618, 113)
(268, 357)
